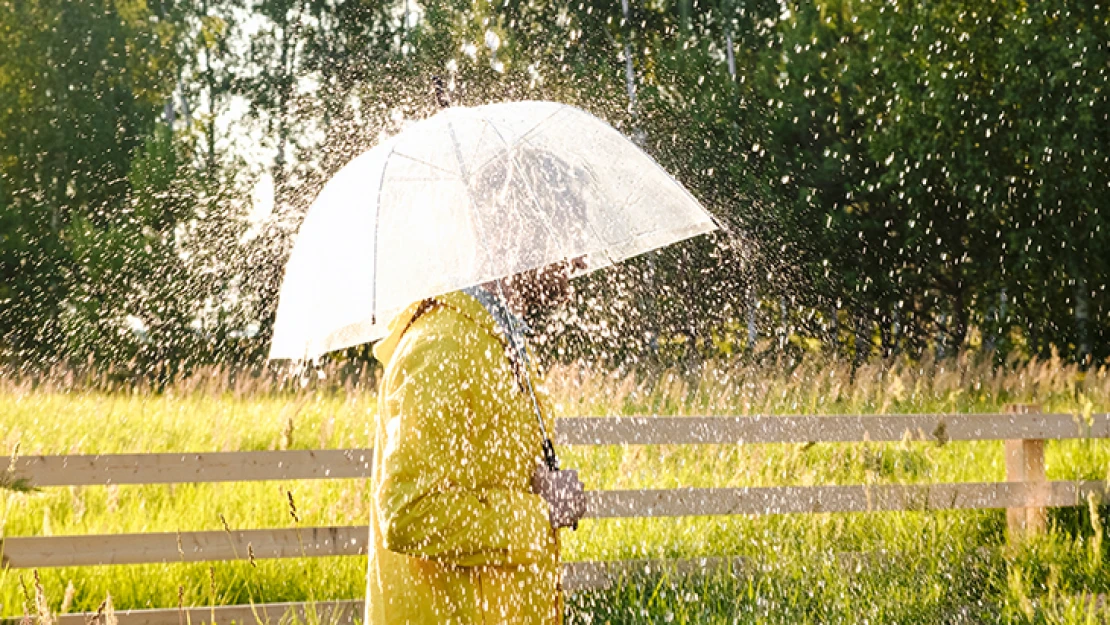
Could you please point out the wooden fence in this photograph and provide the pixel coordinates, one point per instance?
(1025, 495)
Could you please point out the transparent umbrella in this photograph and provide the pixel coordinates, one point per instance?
(468, 196)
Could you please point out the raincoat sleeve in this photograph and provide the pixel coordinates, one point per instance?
(434, 499)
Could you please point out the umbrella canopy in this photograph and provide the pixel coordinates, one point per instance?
(464, 197)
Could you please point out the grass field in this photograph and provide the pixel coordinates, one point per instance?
(911, 568)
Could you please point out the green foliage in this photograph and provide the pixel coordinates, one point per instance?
(900, 177)
(907, 147)
(80, 83)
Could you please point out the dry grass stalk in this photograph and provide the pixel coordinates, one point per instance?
(43, 615)
(818, 385)
(102, 613)
(109, 612)
(212, 591)
(67, 599)
(292, 507)
(27, 602)
(1093, 501)
(113, 498)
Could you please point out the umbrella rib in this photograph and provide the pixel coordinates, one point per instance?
(527, 184)
(524, 136)
(535, 201)
(377, 230)
(458, 156)
(423, 162)
(531, 191)
(558, 109)
(604, 244)
(419, 179)
(466, 184)
(477, 145)
(627, 198)
(690, 196)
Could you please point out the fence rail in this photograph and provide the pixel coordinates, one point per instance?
(146, 548)
(241, 466)
(1025, 495)
(826, 429)
(326, 612)
(178, 468)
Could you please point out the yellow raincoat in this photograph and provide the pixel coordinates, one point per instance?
(456, 535)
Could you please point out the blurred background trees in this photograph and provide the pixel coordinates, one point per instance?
(909, 177)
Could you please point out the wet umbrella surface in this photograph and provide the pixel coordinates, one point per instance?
(465, 197)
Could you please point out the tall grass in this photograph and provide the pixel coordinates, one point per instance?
(922, 567)
(820, 385)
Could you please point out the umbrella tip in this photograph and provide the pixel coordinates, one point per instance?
(440, 89)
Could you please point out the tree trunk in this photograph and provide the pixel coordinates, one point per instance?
(288, 62)
(1082, 319)
(941, 351)
(886, 336)
(684, 11)
(958, 329)
(185, 112)
(629, 69)
(753, 330)
(863, 337)
(1034, 336)
(210, 86)
(730, 54)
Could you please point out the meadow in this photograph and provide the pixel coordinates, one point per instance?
(896, 567)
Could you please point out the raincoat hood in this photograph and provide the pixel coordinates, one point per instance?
(383, 349)
(471, 308)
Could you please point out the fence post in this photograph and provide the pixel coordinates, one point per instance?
(1025, 463)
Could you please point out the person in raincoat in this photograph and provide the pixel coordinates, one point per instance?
(465, 514)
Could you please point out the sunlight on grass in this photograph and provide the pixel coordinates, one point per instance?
(914, 567)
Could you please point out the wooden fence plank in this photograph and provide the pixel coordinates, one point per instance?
(233, 466)
(824, 429)
(1025, 464)
(165, 468)
(599, 575)
(96, 549)
(30, 552)
(818, 499)
(328, 612)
